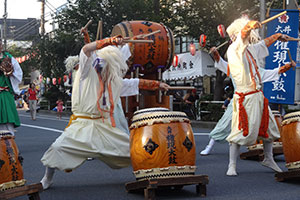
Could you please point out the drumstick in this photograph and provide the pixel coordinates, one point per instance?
(218, 47)
(290, 56)
(99, 30)
(138, 41)
(149, 34)
(181, 88)
(294, 39)
(146, 35)
(87, 24)
(273, 17)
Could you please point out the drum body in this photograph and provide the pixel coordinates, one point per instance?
(162, 145)
(11, 172)
(290, 135)
(148, 57)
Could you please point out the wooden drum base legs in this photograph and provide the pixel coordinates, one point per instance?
(150, 185)
(288, 175)
(31, 190)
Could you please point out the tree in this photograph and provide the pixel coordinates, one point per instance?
(184, 17)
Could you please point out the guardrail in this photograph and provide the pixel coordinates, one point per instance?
(45, 105)
(214, 110)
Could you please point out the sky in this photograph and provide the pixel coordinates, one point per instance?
(23, 9)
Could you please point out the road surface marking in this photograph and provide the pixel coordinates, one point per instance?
(60, 131)
(200, 134)
(41, 127)
(43, 117)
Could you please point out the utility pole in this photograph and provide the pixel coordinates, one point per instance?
(262, 17)
(5, 24)
(43, 18)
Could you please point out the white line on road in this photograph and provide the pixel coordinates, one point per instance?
(43, 117)
(60, 131)
(41, 127)
(200, 134)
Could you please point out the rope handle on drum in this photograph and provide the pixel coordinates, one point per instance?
(160, 67)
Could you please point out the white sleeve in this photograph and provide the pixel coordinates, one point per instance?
(125, 50)
(130, 87)
(85, 64)
(17, 75)
(221, 65)
(261, 49)
(268, 75)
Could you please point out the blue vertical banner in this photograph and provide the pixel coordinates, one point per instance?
(282, 91)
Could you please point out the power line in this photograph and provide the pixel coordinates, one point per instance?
(26, 31)
(31, 24)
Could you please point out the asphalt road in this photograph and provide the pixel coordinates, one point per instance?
(94, 180)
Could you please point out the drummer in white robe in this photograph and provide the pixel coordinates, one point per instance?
(251, 117)
(223, 127)
(92, 130)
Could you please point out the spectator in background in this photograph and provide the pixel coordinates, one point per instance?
(229, 95)
(59, 107)
(32, 92)
(189, 103)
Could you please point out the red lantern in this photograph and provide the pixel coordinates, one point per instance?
(192, 49)
(175, 61)
(54, 81)
(221, 30)
(59, 81)
(65, 78)
(202, 40)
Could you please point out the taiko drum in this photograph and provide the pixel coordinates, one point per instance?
(161, 144)
(149, 57)
(11, 172)
(290, 136)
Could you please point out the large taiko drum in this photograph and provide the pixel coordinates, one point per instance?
(162, 144)
(290, 136)
(149, 57)
(11, 172)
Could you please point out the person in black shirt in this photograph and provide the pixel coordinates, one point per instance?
(189, 103)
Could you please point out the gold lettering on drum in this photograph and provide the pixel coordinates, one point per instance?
(171, 146)
(12, 161)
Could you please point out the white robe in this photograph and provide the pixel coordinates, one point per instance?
(253, 103)
(90, 137)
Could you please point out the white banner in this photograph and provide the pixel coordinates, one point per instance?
(190, 67)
